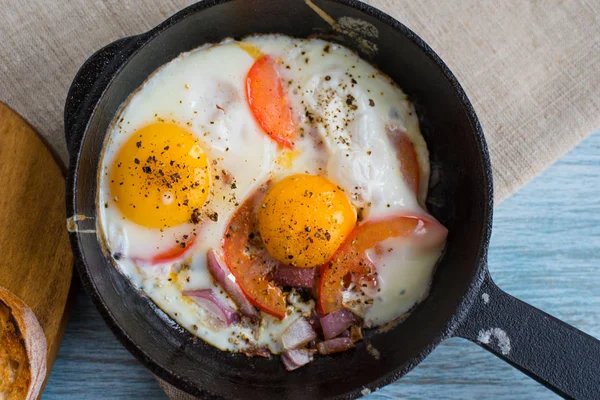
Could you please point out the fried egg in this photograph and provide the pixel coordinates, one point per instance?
(267, 151)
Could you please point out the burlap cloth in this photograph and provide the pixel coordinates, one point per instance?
(530, 67)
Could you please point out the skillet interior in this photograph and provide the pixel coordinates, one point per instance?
(460, 197)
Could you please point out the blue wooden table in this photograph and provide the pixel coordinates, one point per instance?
(545, 250)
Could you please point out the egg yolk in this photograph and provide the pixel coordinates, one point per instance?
(303, 219)
(160, 176)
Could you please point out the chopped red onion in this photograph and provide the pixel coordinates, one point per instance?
(335, 345)
(225, 278)
(315, 322)
(207, 299)
(293, 359)
(286, 275)
(298, 334)
(346, 333)
(337, 322)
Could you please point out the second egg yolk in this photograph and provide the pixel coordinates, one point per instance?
(160, 176)
(304, 219)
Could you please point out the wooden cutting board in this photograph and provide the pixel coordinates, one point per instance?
(35, 256)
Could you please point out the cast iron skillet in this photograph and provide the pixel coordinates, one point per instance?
(463, 301)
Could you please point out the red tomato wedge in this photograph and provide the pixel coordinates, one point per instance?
(251, 271)
(350, 257)
(407, 156)
(268, 101)
(173, 253)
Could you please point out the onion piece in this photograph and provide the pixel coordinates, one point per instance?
(206, 298)
(336, 322)
(335, 345)
(298, 334)
(286, 275)
(315, 322)
(294, 359)
(225, 278)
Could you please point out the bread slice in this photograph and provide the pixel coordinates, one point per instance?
(22, 350)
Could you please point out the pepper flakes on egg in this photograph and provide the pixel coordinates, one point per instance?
(303, 220)
(171, 181)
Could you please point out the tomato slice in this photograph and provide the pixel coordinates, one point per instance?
(173, 253)
(407, 156)
(268, 101)
(251, 270)
(350, 257)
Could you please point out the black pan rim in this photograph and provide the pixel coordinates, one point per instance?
(463, 307)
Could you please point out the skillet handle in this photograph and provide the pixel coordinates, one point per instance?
(77, 108)
(559, 356)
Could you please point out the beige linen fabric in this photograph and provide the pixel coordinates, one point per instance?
(530, 67)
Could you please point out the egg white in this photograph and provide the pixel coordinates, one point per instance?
(203, 91)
